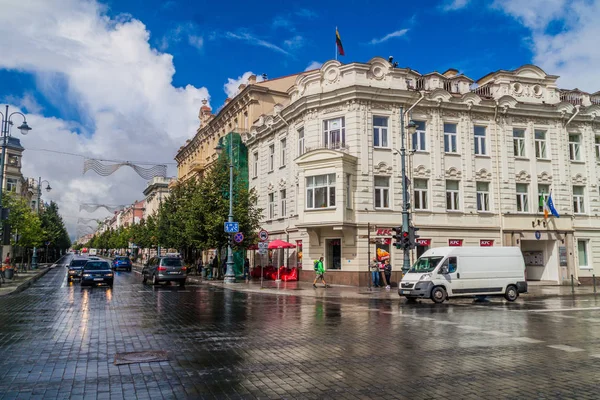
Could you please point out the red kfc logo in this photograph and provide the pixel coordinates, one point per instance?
(455, 242)
(486, 243)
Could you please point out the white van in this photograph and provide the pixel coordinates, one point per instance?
(445, 272)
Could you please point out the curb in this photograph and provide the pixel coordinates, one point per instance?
(28, 282)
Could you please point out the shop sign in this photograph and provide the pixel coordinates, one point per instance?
(562, 256)
(486, 243)
(424, 242)
(383, 232)
(455, 242)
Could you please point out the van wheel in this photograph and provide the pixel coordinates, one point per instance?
(511, 293)
(438, 294)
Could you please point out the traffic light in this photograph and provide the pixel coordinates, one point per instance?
(402, 239)
(412, 236)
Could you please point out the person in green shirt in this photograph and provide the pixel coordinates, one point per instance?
(320, 271)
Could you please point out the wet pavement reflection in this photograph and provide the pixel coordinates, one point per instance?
(58, 340)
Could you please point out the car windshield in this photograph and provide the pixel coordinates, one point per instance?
(171, 262)
(425, 264)
(77, 263)
(96, 265)
(121, 259)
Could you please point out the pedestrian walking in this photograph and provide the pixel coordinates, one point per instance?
(320, 273)
(5, 265)
(387, 271)
(247, 269)
(215, 268)
(199, 266)
(375, 273)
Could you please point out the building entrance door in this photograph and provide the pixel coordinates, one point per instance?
(333, 255)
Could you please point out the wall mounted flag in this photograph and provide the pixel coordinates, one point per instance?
(550, 207)
(338, 42)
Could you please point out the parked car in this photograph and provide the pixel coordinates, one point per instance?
(97, 272)
(75, 268)
(121, 262)
(164, 269)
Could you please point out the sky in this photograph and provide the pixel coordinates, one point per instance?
(124, 79)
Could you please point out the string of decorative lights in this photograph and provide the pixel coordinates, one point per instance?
(91, 207)
(101, 169)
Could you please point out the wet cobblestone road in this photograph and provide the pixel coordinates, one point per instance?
(59, 341)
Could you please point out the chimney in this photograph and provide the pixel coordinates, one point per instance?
(252, 79)
(241, 87)
(450, 73)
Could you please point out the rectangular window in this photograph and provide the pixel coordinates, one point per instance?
(419, 138)
(271, 157)
(522, 198)
(382, 192)
(246, 120)
(578, 200)
(452, 195)
(450, 138)
(575, 147)
(334, 133)
(283, 201)
(420, 194)
(300, 141)
(283, 145)
(11, 184)
(348, 191)
(320, 191)
(543, 193)
(255, 164)
(483, 196)
(540, 144)
(597, 148)
(380, 132)
(479, 132)
(519, 142)
(271, 205)
(582, 253)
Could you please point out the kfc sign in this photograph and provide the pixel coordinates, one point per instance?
(486, 243)
(455, 242)
(424, 242)
(384, 232)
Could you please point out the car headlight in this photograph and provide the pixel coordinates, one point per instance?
(87, 275)
(425, 277)
(109, 275)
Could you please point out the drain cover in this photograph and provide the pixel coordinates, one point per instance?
(141, 357)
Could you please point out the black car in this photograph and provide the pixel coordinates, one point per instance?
(97, 272)
(164, 269)
(75, 268)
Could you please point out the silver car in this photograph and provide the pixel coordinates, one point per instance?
(164, 269)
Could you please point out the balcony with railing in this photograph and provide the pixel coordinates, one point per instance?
(595, 99)
(574, 98)
(483, 91)
(338, 146)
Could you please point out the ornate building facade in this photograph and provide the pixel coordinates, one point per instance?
(326, 165)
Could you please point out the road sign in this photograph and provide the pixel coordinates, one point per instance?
(232, 227)
(238, 237)
(262, 252)
(263, 246)
(263, 235)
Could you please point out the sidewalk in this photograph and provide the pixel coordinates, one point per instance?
(23, 280)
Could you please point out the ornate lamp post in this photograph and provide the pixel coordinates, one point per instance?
(229, 274)
(34, 258)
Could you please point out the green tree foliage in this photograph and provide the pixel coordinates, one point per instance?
(54, 228)
(24, 224)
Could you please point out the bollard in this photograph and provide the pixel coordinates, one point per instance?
(594, 280)
(572, 285)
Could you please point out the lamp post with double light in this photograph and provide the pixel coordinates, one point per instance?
(34, 257)
(229, 274)
(411, 128)
(7, 123)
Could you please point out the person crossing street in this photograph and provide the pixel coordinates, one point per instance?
(320, 273)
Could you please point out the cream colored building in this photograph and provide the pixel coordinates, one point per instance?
(326, 165)
(156, 192)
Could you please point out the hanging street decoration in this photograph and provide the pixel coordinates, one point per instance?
(89, 207)
(103, 168)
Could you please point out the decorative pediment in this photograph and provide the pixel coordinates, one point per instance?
(382, 168)
(421, 172)
(270, 187)
(483, 175)
(453, 173)
(379, 68)
(471, 98)
(530, 71)
(565, 108)
(330, 71)
(544, 177)
(593, 111)
(507, 101)
(523, 177)
(579, 179)
(282, 183)
(440, 95)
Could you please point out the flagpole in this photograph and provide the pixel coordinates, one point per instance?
(336, 52)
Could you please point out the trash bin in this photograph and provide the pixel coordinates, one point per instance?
(9, 273)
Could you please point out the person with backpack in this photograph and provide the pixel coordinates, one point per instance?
(387, 271)
(320, 273)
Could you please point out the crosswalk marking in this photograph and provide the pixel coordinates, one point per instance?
(527, 340)
(496, 333)
(564, 347)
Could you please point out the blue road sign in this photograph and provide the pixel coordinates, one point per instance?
(238, 237)
(232, 227)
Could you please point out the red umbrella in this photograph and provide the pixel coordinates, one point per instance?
(281, 244)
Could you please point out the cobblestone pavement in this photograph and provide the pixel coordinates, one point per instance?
(59, 341)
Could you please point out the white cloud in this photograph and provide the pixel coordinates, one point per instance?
(282, 22)
(253, 40)
(564, 38)
(196, 41)
(232, 86)
(313, 65)
(121, 87)
(294, 43)
(389, 36)
(177, 34)
(28, 102)
(454, 5)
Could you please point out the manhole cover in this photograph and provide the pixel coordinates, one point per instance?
(141, 357)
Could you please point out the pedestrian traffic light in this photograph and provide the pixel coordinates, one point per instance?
(412, 236)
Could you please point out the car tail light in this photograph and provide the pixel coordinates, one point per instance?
(162, 268)
(183, 269)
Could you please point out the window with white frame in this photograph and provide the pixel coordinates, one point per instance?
(271, 205)
(380, 131)
(540, 144)
(420, 194)
(348, 191)
(575, 147)
(543, 193)
(283, 202)
(582, 253)
(334, 133)
(419, 137)
(300, 141)
(578, 199)
(479, 132)
(522, 197)
(320, 191)
(483, 196)
(255, 164)
(452, 195)
(519, 142)
(382, 192)
(271, 157)
(450, 138)
(11, 184)
(283, 148)
(597, 148)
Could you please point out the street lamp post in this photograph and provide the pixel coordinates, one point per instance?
(34, 257)
(229, 274)
(411, 127)
(6, 123)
